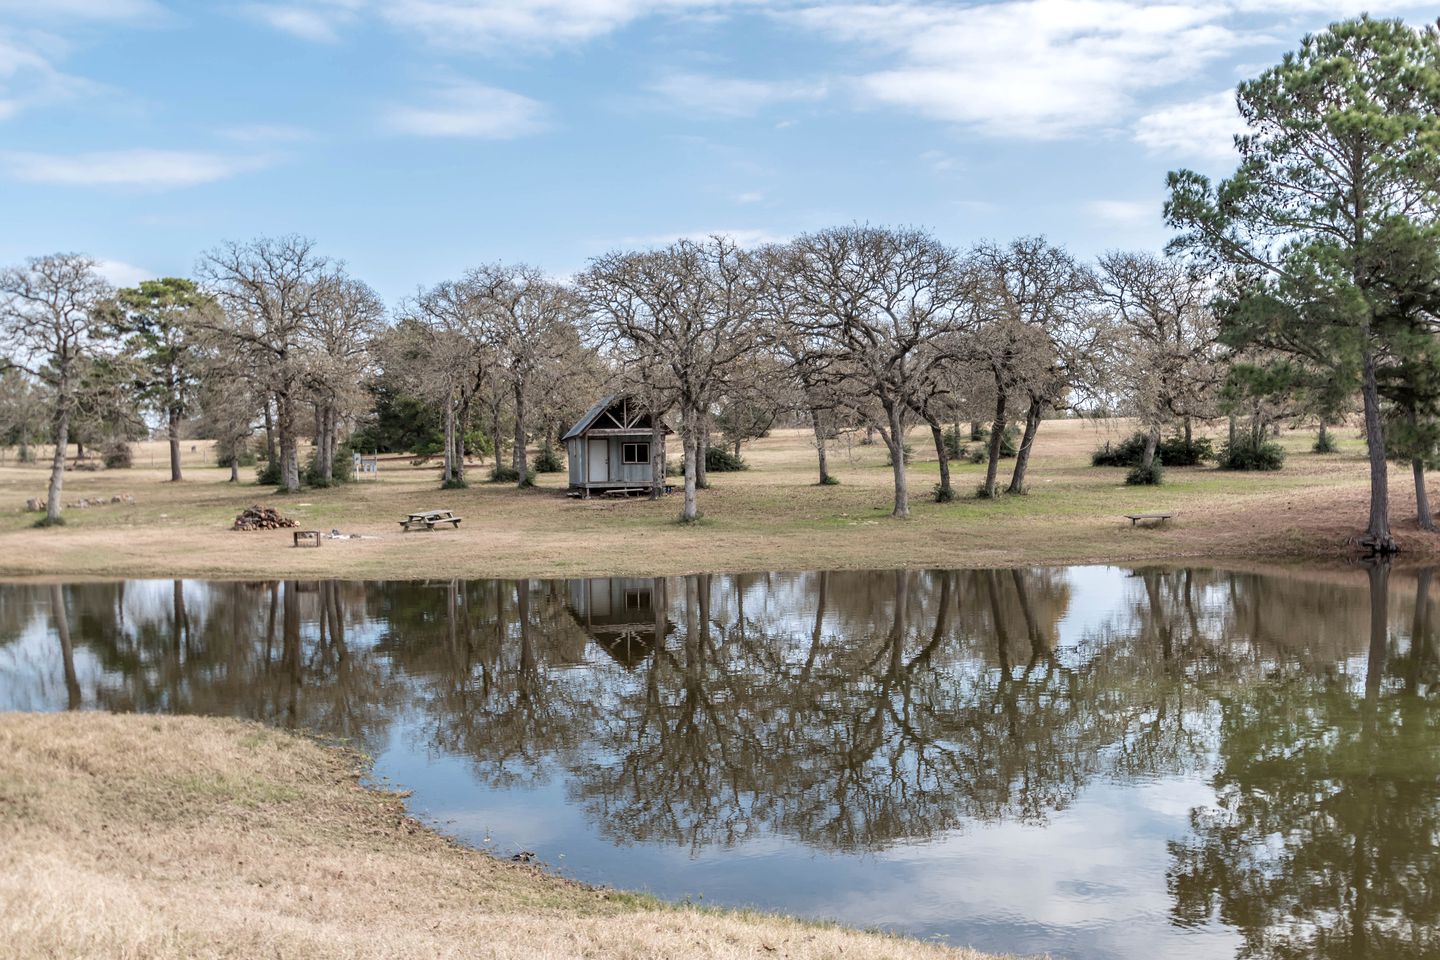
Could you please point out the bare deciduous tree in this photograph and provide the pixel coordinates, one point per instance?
(529, 321)
(1166, 363)
(273, 291)
(687, 312)
(879, 307)
(52, 327)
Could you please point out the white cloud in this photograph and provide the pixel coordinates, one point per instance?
(464, 109)
(749, 196)
(543, 24)
(28, 77)
(265, 133)
(732, 96)
(82, 9)
(1025, 68)
(1124, 212)
(492, 25)
(122, 274)
(941, 162)
(319, 23)
(1200, 128)
(149, 169)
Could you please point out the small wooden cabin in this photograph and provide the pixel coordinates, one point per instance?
(609, 448)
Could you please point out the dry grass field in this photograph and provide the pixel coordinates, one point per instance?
(188, 837)
(770, 517)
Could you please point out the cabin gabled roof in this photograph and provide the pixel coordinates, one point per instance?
(587, 420)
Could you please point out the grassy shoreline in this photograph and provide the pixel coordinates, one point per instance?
(771, 517)
(150, 836)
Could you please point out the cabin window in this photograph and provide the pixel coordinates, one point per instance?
(637, 600)
(631, 453)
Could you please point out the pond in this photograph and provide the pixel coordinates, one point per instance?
(1096, 762)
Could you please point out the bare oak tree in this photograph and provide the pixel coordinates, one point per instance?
(529, 321)
(272, 291)
(880, 307)
(52, 327)
(686, 310)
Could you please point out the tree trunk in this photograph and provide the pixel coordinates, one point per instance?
(690, 512)
(1152, 440)
(447, 470)
(173, 434)
(657, 456)
(522, 467)
(895, 439)
(997, 434)
(1422, 497)
(1232, 430)
(1377, 537)
(462, 417)
(945, 493)
(702, 453)
(235, 469)
(495, 430)
(271, 455)
(57, 466)
(1324, 435)
(1022, 456)
(1190, 432)
(820, 443)
(289, 452)
(976, 430)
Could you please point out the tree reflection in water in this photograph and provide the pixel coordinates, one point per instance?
(854, 711)
(1323, 838)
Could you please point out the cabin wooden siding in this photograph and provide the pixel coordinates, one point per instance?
(608, 426)
(578, 450)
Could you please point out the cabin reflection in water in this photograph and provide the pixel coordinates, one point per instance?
(625, 616)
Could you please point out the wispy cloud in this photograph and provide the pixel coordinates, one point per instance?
(122, 274)
(489, 25)
(316, 22)
(60, 10)
(535, 24)
(464, 109)
(29, 77)
(1124, 212)
(941, 162)
(733, 96)
(265, 133)
(1203, 128)
(1024, 68)
(146, 169)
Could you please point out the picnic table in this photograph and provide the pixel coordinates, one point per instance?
(1154, 519)
(429, 519)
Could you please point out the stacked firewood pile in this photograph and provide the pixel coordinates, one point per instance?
(257, 517)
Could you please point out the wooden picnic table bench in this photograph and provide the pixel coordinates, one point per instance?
(429, 519)
(1154, 518)
(310, 537)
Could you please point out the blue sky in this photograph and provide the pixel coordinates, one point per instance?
(415, 138)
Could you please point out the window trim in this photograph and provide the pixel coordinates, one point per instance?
(626, 447)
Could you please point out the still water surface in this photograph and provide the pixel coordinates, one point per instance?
(1094, 761)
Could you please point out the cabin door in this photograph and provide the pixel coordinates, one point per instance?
(598, 457)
